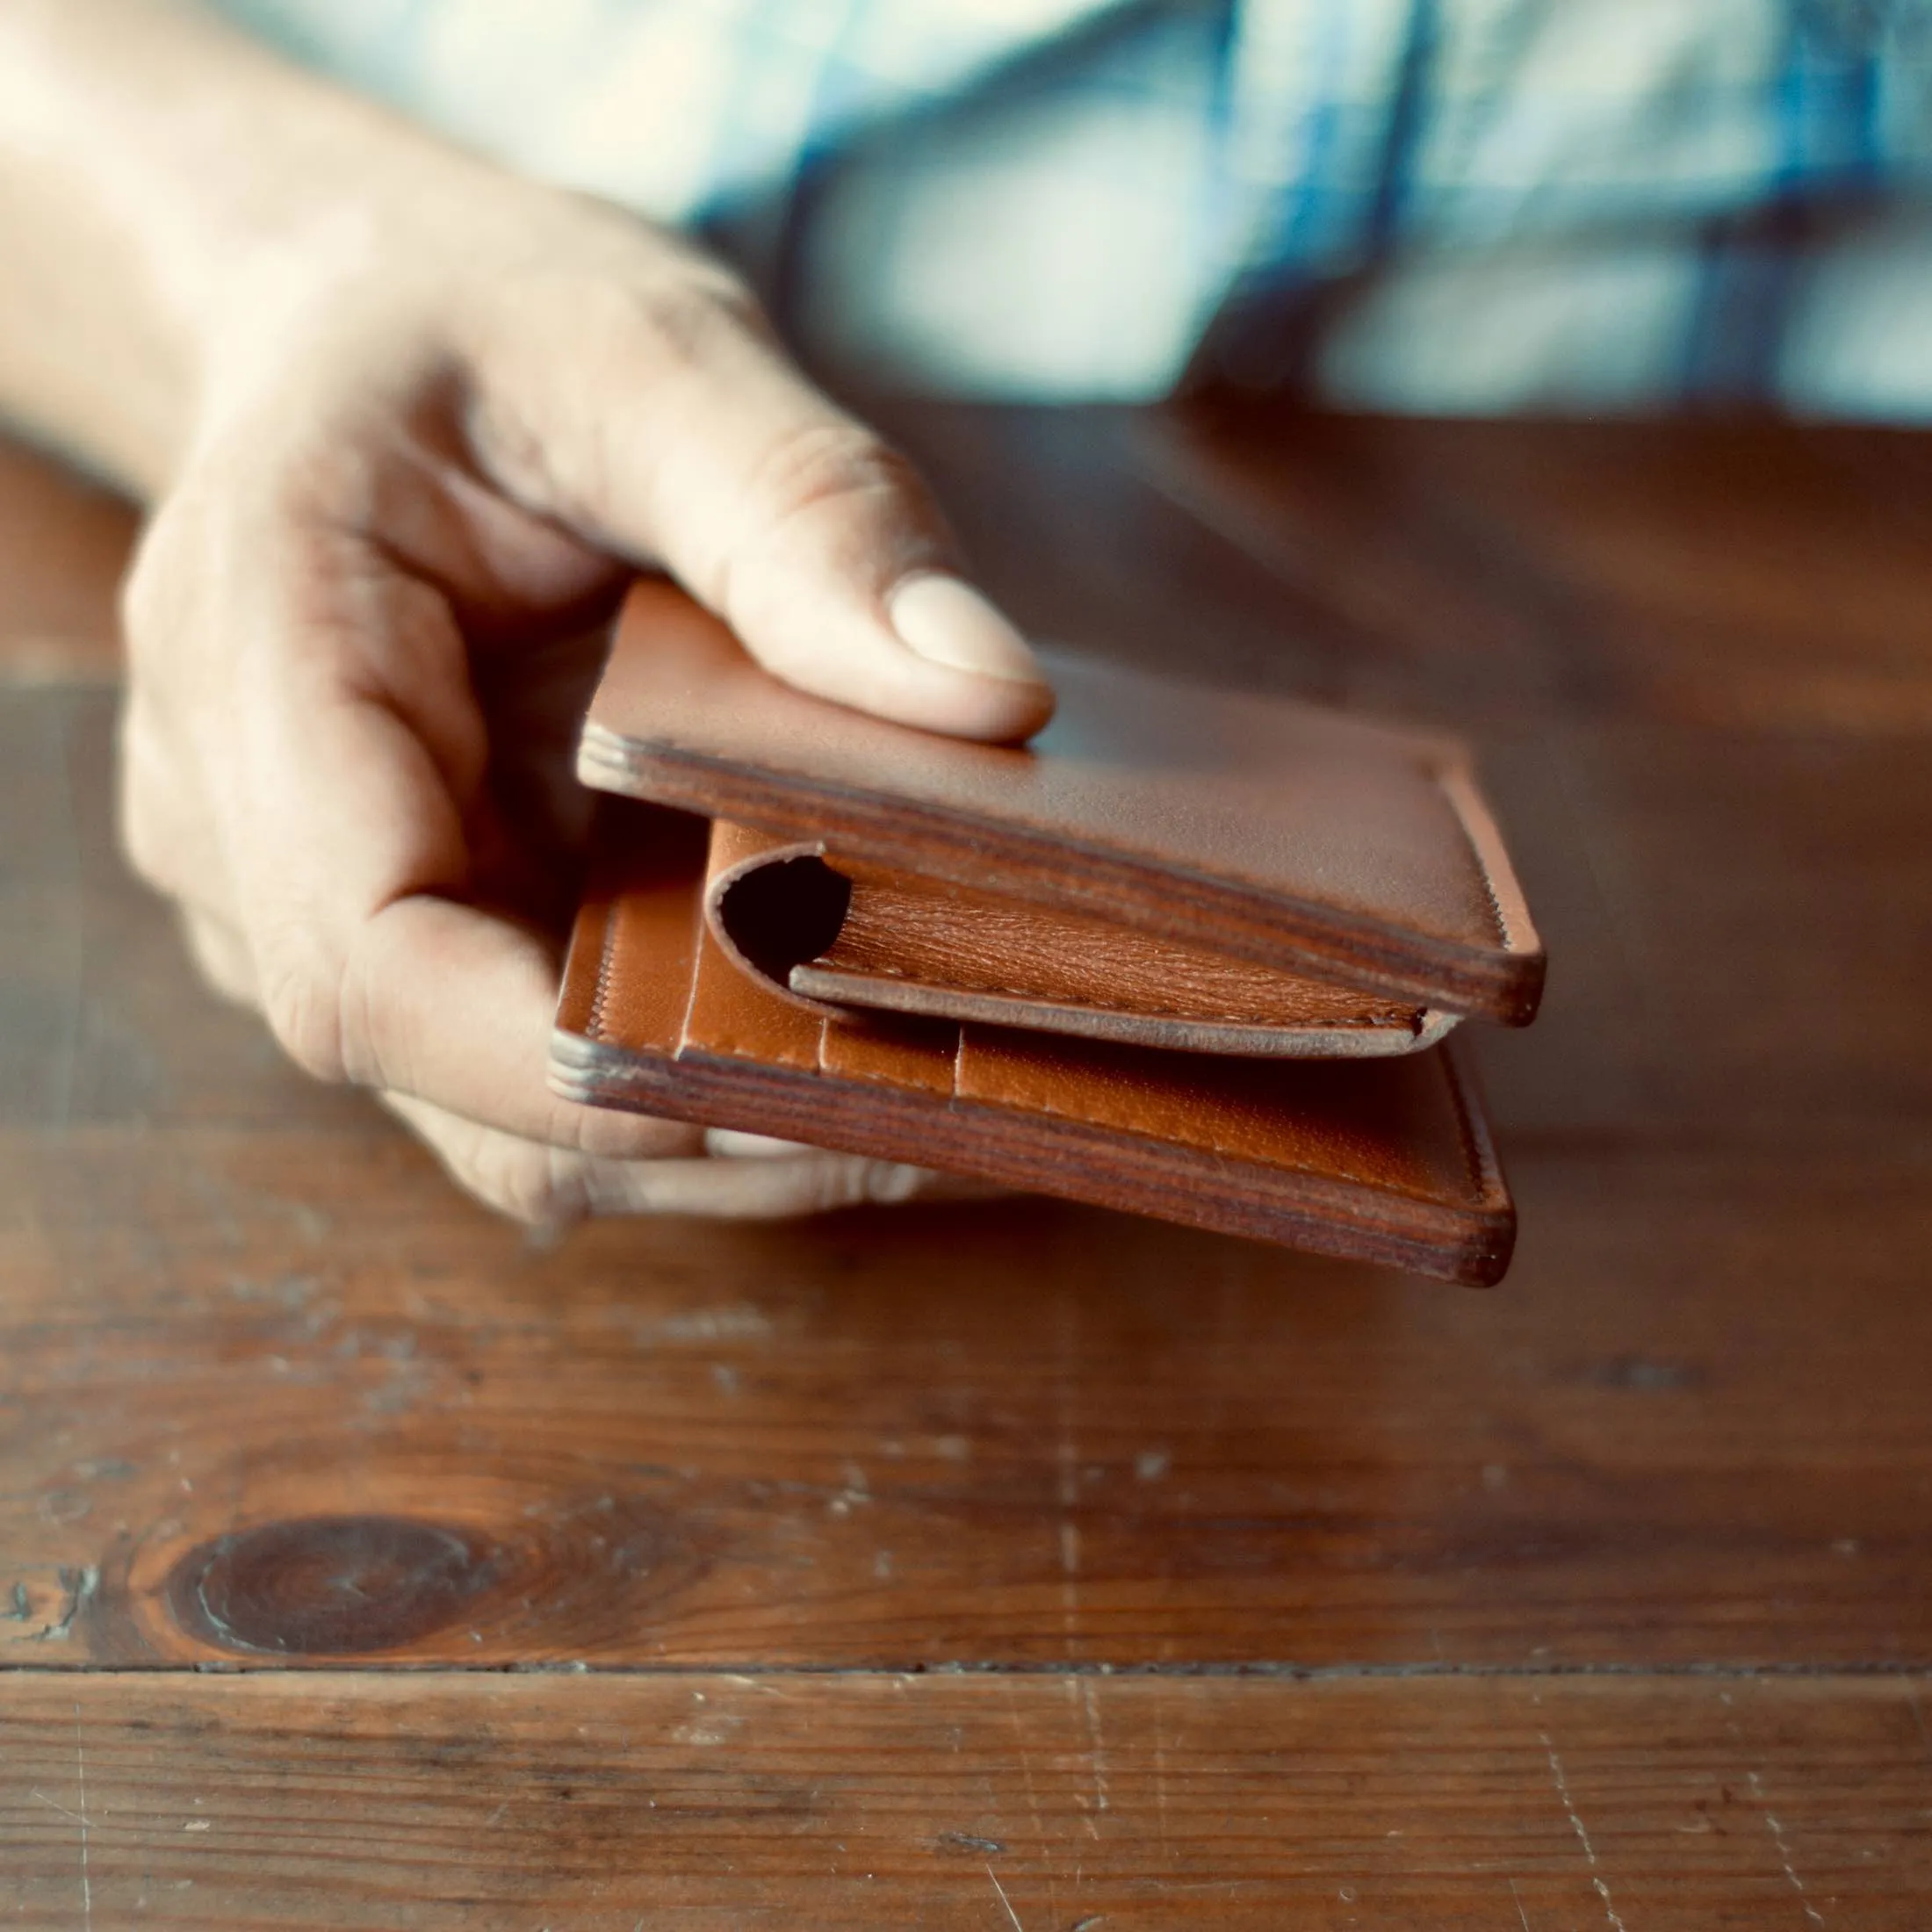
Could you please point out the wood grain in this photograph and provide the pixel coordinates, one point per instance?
(1045, 1803)
(1692, 1429)
(316, 1484)
(1688, 572)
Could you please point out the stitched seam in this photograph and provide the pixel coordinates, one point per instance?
(1477, 1165)
(600, 992)
(1149, 1010)
(1496, 919)
(1488, 892)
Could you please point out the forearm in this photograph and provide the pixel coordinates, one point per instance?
(154, 168)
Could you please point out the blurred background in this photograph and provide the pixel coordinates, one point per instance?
(1417, 205)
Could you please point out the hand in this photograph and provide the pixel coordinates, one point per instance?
(435, 430)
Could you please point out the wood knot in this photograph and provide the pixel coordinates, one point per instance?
(328, 1586)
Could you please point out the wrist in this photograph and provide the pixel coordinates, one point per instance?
(174, 191)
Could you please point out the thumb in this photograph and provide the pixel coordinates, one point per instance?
(680, 434)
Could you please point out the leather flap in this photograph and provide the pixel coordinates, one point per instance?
(832, 935)
(1247, 827)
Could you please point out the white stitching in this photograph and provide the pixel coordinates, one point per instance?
(600, 992)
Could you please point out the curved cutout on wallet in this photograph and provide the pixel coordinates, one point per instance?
(837, 935)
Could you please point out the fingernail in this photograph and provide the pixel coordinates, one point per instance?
(946, 622)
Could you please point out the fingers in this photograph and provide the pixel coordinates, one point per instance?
(733, 1143)
(318, 852)
(680, 434)
(451, 1006)
(550, 1188)
(283, 781)
(466, 1015)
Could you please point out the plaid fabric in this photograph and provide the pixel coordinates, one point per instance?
(1432, 204)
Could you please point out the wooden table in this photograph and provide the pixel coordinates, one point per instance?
(362, 1566)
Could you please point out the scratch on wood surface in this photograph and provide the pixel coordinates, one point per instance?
(1096, 1745)
(80, 1774)
(1783, 1850)
(1005, 1900)
(1918, 1717)
(1033, 1796)
(1074, 1687)
(1160, 1764)
(1582, 1836)
(739, 1322)
(1517, 1900)
(1026, 1763)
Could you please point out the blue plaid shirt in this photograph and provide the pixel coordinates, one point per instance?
(1410, 204)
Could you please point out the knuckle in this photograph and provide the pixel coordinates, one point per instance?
(830, 496)
(302, 1001)
(677, 318)
(685, 314)
(830, 466)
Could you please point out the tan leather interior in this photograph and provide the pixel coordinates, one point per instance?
(843, 934)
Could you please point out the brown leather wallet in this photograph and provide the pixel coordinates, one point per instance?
(1190, 951)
